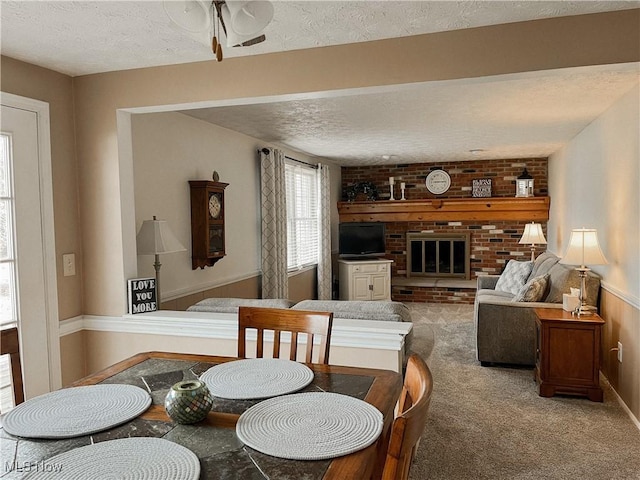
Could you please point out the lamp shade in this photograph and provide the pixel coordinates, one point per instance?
(249, 17)
(190, 15)
(584, 248)
(155, 238)
(234, 37)
(533, 234)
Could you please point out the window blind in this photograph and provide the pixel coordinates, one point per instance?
(302, 216)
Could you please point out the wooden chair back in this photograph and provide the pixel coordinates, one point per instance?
(314, 324)
(10, 345)
(410, 420)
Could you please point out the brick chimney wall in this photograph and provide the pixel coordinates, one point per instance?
(492, 243)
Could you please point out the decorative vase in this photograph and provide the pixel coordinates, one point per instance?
(188, 401)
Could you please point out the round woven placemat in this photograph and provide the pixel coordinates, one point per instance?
(310, 426)
(77, 411)
(254, 378)
(131, 458)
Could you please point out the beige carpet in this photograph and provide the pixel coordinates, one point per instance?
(490, 423)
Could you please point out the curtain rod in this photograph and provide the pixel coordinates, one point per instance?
(266, 152)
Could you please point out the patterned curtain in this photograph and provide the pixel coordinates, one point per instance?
(324, 247)
(275, 282)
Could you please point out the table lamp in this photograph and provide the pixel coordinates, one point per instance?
(156, 238)
(533, 236)
(583, 249)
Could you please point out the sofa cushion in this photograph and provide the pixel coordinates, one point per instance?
(359, 310)
(230, 305)
(561, 280)
(534, 290)
(514, 276)
(543, 264)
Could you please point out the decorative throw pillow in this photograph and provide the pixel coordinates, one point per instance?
(514, 276)
(534, 290)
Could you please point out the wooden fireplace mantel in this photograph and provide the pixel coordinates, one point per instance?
(447, 209)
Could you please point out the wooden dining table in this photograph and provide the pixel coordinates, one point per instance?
(222, 455)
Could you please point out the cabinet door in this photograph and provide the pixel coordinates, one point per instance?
(380, 286)
(361, 290)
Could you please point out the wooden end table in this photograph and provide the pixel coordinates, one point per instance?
(568, 353)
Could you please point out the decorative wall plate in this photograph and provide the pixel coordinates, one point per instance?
(438, 182)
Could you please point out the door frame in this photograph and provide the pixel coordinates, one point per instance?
(41, 109)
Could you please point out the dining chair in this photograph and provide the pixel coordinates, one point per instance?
(10, 345)
(411, 417)
(313, 324)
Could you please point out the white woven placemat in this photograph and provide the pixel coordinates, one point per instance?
(310, 426)
(140, 458)
(254, 378)
(77, 411)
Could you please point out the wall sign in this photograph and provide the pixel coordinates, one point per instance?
(142, 295)
(481, 187)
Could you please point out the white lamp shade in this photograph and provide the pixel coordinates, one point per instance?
(533, 234)
(155, 238)
(584, 248)
(248, 17)
(190, 15)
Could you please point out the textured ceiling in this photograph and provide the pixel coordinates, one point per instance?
(82, 37)
(515, 116)
(511, 116)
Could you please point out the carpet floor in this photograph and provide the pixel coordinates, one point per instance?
(490, 423)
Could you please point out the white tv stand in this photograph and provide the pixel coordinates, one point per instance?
(365, 279)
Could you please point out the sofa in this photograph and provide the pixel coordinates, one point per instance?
(505, 329)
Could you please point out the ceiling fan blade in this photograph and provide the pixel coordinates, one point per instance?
(253, 41)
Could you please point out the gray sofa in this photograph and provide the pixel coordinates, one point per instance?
(505, 329)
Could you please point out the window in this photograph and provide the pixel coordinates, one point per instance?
(8, 311)
(302, 216)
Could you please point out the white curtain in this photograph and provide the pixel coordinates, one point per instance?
(324, 231)
(275, 282)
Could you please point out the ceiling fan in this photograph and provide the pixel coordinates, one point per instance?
(242, 21)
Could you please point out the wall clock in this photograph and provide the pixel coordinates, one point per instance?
(207, 222)
(438, 182)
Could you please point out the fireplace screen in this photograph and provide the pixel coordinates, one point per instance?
(438, 255)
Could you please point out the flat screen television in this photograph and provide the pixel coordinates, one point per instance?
(361, 240)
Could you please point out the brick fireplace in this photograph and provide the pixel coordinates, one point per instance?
(492, 243)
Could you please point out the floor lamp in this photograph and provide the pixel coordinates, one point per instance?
(583, 249)
(533, 236)
(156, 238)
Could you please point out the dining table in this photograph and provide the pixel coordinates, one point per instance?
(214, 440)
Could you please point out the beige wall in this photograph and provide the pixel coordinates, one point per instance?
(169, 149)
(594, 182)
(108, 226)
(56, 89)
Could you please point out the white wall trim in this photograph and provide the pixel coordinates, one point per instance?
(624, 406)
(345, 333)
(71, 325)
(41, 109)
(625, 297)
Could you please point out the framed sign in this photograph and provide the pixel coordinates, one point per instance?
(142, 295)
(481, 187)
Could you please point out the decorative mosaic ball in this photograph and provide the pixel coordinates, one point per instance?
(188, 401)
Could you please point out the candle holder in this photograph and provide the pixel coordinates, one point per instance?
(391, 182)
(402, 188)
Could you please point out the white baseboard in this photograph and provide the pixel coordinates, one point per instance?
(624, 406)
